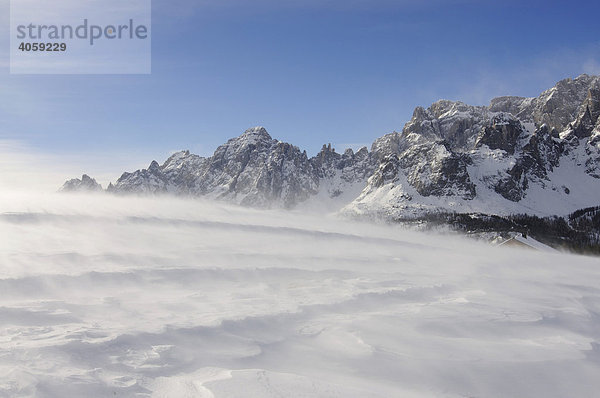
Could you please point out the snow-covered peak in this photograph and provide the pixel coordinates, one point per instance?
(557, 107)
(176, 159)
(446, 108)
(452, 156)
(85, 184)
(255, 134)
(452, 121)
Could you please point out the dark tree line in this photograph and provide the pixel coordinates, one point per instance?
(579, 232)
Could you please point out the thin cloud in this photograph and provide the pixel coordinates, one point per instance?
(592, 67)
(527, 79)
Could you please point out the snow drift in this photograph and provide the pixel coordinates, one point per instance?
(165, 297)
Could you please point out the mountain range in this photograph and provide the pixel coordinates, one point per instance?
(537, 156)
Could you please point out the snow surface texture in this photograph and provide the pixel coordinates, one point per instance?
(163, 297)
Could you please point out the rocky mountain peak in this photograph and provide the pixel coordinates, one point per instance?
(510, 104)
(362, 152)
(154, 166)
(452, 121)
(255, 139)
(557, 107)
(83, 184)
(589, 113)
(420, 113)
(254, 134)
(326, 155)
(177, 159)
(516, 155)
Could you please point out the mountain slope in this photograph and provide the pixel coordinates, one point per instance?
(538, 156)
(520, 155)
(83, 184)
(252, 170)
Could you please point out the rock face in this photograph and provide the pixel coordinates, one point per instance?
(518, 155)
(502, 133)
(556, 107)
(85, 184)
(435, 170)
(252, 169)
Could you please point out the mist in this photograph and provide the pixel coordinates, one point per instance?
(156, 297)
(28, 169)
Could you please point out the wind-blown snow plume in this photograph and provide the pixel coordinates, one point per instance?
(165, 297)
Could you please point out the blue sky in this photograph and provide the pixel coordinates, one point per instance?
(310, 71)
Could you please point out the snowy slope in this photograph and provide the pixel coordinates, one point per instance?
(567, 188)
(535, 156)
(165, 297)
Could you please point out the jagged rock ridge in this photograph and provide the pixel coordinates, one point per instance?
(518, 155)
(83, 184)
(252, 169)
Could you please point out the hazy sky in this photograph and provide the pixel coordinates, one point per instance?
(310, 71)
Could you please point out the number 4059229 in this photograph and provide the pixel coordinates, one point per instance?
(43, 47)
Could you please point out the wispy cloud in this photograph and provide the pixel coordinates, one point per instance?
(528, 78)
(592, 66)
